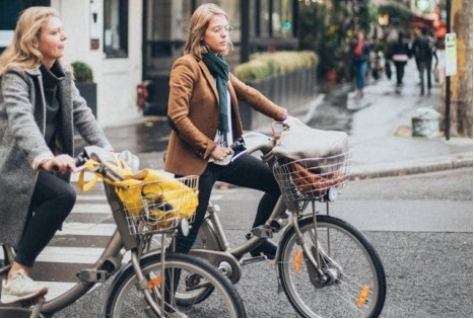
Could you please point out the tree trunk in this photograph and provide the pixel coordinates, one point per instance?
(461, 84)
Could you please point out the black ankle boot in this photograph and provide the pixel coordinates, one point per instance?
(268, 248)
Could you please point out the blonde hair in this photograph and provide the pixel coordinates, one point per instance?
(23, 51)
(199, 23)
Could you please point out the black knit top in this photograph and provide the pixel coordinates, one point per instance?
(51, 80)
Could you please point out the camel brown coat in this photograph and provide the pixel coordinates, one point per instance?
(194, 111)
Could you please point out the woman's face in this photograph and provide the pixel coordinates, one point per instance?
(217, 34)
(51, 41)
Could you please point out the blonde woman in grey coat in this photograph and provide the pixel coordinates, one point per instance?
(39, 108)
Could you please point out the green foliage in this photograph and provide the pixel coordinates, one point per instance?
(399, 15)
(266, 65)
(82, 72)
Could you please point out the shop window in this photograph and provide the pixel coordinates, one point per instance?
(116, 28)
(9, 13)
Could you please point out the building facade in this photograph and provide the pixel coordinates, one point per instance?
(259, 25)
(103, 34)
(127, 42)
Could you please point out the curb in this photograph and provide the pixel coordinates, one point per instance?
(411, 167)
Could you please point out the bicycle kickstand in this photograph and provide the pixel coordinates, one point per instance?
(35, 313)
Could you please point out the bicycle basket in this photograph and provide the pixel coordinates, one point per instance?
(158, 203)
(311, 178)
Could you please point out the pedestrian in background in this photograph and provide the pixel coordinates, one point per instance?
(204, 114)
(360, 55)
(39, 108)
(399, 53)
(424, 51)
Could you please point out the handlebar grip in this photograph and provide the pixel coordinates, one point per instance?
(80, 159)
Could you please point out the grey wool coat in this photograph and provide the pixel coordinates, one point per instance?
(22, 129)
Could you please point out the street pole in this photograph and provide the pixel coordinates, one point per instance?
(447, 119)
(244, 31)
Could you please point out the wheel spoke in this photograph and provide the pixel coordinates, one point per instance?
(355, 285)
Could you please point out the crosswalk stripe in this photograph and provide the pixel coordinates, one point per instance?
(83, 255)
(91, 208)
(87, 229)
(92, 198)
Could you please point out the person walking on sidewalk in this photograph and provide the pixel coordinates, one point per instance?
(424, 52)
(204, 115)
(360, 54)
(39, 108)
(400, 52)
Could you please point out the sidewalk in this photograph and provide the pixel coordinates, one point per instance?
(380, 134)
(382, 138)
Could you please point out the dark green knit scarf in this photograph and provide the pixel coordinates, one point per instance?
(220, 70)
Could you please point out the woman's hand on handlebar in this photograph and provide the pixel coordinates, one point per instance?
(220, 153)
(60, 163)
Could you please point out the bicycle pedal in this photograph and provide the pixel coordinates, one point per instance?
(36, 310)
(91, 275)
(250, 260)
(262, 232)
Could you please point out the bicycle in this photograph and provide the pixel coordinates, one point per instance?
(326, 267)
(143, 287)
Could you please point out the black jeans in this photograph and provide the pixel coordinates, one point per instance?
(246, 171)
(400, 71)
(51, 203)
(425, 67)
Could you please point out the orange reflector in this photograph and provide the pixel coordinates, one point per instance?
(363, 294)
(154, 282)
(298, 260)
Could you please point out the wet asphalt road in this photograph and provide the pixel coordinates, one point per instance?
(422, 234)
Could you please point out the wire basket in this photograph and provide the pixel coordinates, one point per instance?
(159, 206)
(311, 178)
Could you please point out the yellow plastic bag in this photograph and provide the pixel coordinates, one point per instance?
(157, 197)
(119, 167)
(151, 195)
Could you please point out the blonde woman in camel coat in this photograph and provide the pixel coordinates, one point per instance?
(204, 113)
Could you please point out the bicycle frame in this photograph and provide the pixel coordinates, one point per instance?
(221, 253)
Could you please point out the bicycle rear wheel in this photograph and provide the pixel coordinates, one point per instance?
(126, 299)
(355, 284)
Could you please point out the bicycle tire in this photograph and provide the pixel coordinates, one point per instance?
(358, 287)
(125, 299)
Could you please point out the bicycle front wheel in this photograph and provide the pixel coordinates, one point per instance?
(191, 274)
(353, 284)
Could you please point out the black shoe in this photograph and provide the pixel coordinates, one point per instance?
(268, 248)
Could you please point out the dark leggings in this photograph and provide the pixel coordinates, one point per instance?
(400, 70)
(51, 203)
(425, 67)
(247, 171)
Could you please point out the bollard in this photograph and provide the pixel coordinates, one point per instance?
(425, 122)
